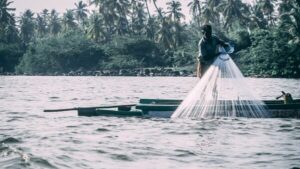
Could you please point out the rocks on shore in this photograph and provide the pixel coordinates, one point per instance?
(121, 72)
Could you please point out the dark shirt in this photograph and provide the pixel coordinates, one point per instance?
(208, 49)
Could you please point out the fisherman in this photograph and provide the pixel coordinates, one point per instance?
(287, 97)
(208, 49)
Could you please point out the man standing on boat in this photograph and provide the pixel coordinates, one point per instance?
(208, 49)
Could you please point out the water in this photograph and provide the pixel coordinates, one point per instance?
(221, 92)
(33, 139)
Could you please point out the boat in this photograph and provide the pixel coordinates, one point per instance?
(164, 108)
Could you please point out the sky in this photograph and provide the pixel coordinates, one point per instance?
(62, 5)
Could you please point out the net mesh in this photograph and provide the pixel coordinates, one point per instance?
(222, 91)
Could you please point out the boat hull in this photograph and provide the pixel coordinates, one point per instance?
(164, 108)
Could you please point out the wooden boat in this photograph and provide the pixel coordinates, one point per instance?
(164, 108)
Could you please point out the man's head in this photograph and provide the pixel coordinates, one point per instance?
(207, 31)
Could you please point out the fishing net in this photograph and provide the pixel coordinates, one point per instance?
(222, 91)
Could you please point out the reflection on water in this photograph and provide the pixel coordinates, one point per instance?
(30, 138)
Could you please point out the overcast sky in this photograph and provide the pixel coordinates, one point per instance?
(62, 5)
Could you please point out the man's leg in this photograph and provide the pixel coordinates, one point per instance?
(204, 68)
(199, 70)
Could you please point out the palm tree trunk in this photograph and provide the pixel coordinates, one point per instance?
(198, 17)
(146, 2)
(161, 17)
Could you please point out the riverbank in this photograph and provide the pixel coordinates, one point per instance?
(182, 72)
(135, 72)
(187, 71)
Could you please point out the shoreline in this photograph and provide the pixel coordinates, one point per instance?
(142, 72)
(191, 75)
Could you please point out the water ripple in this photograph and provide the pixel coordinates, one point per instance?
(31, 138)
(185, 153)
(42, 163)
(102, 129)
(121, 157)
(10, 140)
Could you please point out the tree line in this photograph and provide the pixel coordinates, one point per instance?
(124, 34)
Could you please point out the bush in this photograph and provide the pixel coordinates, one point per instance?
(270, 55)
(138, 52)
(10, 55)
(64, 53)
(241, 39)
(121, 62)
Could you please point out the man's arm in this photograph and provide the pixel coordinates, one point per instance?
(225, 45)
(221, 42)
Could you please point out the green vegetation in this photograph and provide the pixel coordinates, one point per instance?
(59, 54)
(270, 56)
(124, 34)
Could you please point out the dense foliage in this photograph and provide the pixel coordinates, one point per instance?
(10, 55)
(270, 56)
(63, 53)
(124, 34)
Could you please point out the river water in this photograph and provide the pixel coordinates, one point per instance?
(30, 138)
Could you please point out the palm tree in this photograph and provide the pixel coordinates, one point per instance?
(293, 23)
(95, 27)
(150, 27)
(175, 11)
(164, 36)
(114, 13)
(41, 25)
(5, 15)
(68, 21)
(27, 26)
(121, 9)
(162, 13)
(150, 22)
(139, 18)
(54, 23)
(175, 15)
(177, 38)
(214, 3)
(10, 32)
(81, 12)
(133, 9)
(285, 6)
(214, 6)
(108, 18)
(195, 9)
(7, 22)
(159, 11)
(207, 13)
(257, 18)
(147, 7)
(267, 7)
(45, 14)
(96, 2)
(233, 11)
